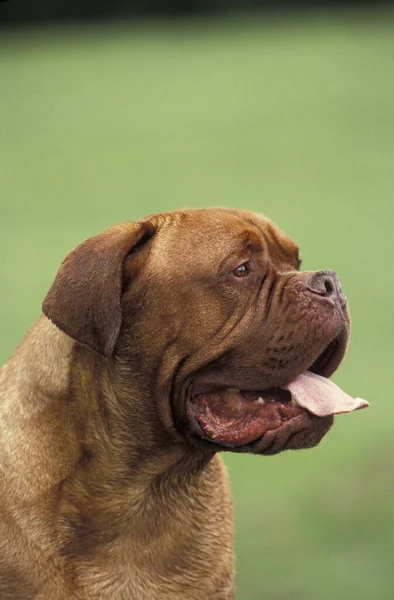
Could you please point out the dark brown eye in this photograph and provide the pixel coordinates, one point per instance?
(241, 271)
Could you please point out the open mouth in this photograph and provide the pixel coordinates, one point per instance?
(234, 417)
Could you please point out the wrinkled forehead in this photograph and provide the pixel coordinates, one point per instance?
(214, 234)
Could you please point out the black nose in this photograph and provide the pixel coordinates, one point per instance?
(325, 283)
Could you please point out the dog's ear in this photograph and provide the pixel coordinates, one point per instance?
(84, 301)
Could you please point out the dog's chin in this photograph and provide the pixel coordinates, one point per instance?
(261, 421)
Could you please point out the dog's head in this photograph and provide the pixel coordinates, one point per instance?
(228, 336)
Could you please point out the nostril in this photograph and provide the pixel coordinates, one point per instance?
(324, 283)
(329, 285)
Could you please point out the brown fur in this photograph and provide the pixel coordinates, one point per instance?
(102, 496)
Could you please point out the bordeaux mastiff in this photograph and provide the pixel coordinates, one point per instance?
(162, 343)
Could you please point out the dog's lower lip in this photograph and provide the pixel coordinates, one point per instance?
(226, 418)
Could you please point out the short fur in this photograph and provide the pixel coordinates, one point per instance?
(103, 495)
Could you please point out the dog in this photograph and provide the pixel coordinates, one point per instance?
(162, 342)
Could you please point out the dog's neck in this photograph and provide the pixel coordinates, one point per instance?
(125, 502)
(120, 423)
(108, 463)
(137, 482)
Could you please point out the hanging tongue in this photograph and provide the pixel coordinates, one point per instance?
(321, 396)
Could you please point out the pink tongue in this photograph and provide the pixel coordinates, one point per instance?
(321, 396)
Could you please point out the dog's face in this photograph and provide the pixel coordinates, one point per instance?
(214, 306)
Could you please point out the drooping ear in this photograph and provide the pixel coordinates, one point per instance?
(84, 301)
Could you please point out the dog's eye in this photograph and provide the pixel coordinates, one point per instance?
(241, 271)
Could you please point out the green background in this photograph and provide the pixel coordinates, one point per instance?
(290, 117)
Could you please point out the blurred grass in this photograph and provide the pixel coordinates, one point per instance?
(291, 118)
